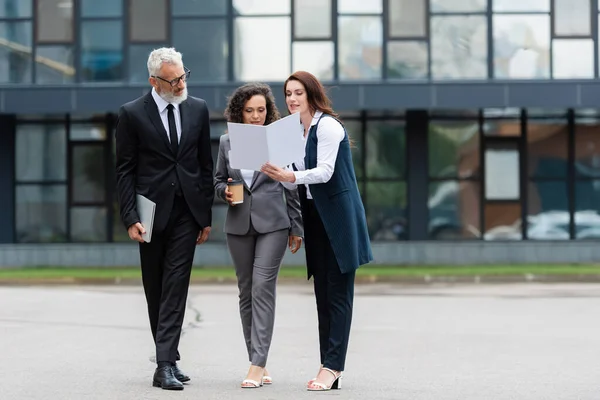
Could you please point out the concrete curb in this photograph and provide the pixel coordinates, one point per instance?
(368, 279)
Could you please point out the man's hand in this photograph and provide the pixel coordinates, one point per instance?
(136, 231)
(278, 174)
(294, 243)
(203, 235)
(228, 194)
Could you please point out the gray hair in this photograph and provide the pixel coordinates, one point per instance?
(164, 55)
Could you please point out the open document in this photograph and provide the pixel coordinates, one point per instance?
(279, 143)
(146, 209)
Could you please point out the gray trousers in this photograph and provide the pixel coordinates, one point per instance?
(257, 258)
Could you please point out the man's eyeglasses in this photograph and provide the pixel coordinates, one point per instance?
(175, 82)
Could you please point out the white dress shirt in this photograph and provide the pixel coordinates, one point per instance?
(164, 117)
(248, 175)
(329, 135)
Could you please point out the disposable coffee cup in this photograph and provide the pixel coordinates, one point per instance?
(237, 188)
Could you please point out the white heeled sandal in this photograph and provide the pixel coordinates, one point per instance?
(320, 387)
(251, 384)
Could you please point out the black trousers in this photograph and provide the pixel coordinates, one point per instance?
(334, 291)
(166, 269)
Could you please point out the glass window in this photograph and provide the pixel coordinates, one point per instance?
(15, 8)
(521, 5)
(54, 64)
(587, 149)
(502, 127)
(509, 112)
(41, 153)
(207, 59)
(314, 57)
(54, 21)
(219, 213)
(217, 129)
(261, 7)
(354, 131)
(15, 60)
(119, 231)
(547, 149)
(88, 224)
(458, 47)
(460, 6)
(454, 149)
(254, 59)
(148, 20)
(312, 18)
(521, 46)
(80, 131)
(41, 213)
(454, 210)
(503, 221)
(407, 60)
(138, 58)
(572, 58)
(360, 6)
(104, 8)
(548, 211)
(587, 209)
(386, 210)
(360, 47)
(502, 172)
(101, 50)
(386, 149)
(193, 8)
(408, 18)
(572, 17)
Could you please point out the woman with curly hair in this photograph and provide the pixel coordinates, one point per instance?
(258, 230)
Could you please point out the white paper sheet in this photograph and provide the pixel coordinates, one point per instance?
(279, 143)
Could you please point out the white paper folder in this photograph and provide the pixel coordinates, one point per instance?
(279, 143)
(146, 209)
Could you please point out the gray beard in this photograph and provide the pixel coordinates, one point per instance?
(169, 98)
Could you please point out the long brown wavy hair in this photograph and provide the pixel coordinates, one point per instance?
(315, 93)
(234, 112)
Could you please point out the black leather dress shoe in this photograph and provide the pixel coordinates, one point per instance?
(179, 375)
(164, 378)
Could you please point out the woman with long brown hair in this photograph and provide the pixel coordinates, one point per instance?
(335, 228)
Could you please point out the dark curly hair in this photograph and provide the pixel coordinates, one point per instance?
(237, 101)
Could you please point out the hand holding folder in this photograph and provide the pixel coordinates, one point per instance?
(146, 209)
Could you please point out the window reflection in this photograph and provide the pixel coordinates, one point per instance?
(354, 131)
(87, 132)
(386, 210)
(88, 174)
(314, 57)
(407, 60)
(441, 6)
(502, 172)
(138, 57)
(572, 17)
(41, 213)
(147, 20)
(386, 149)
(587, 209)
(15, 9)
(547, 149)
(104, 8)
(88, 224)
(408, 18)
(454, 210)
(522, 46)
(101, 50)
(360, 52)
(573, 58)
(360, 6)
(41, 153)
(188, 8)
(312, 18)
(453, 149)
(521, 5)
(15, 65)
(503, 128)
(54, 21)
(587, 149)
(219, 213)
(254, 59)
(548, 211)
(503, 221)
(207, 59)
(458, 47)
(261, 7)
(54, 64)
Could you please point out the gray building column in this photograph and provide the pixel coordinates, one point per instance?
(7, 178)
(417, 174)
